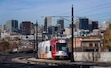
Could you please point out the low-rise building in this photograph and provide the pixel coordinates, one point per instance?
(86, 44)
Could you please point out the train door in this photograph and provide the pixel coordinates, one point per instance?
(53, 51)
(53, 48)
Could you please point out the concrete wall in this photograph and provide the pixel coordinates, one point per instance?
(93, 56)
(105, 57)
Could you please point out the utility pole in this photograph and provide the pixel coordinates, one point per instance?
(72, 57)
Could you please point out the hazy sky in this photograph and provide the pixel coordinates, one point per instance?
(32, 10)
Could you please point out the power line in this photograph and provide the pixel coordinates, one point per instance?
(87, 9)
(64, 13)
(98, 14)
(94, 8)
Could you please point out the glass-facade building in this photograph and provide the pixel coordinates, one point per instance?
(11, 26)
(83, 23)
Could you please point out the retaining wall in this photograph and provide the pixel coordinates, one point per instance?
(93, 56)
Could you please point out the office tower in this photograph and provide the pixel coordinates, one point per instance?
(76, 22)
(11, 26)
(60, 26)
(61, 23)
(83, 24)
(90, 25)
(47, 23)
(3, 28)
(51, 30)
(26, 27)
(93, 25)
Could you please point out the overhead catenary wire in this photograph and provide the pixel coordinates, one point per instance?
(91, 13)
(88, 12)
(89, 9)
(106, 5)
(96, 15)
(95, 8)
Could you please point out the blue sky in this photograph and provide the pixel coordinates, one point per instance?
(32, 10)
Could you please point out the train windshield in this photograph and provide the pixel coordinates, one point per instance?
(61, 46)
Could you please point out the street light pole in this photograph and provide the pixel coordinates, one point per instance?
(72, 57)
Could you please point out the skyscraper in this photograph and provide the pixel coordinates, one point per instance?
(93, 25)
(26, 27)
(83, 23)
(47, 23)
(61, 23)
(11, 26)
(51, 29)
(76, 22)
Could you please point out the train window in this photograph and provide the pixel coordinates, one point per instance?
(50, 48)
(46, 49)
(61, 46)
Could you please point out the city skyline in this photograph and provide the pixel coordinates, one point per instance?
(28, 10)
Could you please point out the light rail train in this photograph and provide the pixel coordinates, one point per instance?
(53, 49)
